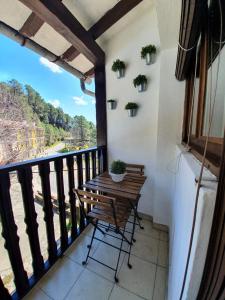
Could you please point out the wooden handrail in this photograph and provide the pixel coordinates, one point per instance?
(34, 162)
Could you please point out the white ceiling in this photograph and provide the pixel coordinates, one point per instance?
(88, 12)
(13, 13)
(47, 37)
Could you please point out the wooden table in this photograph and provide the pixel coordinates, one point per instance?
(129, 189)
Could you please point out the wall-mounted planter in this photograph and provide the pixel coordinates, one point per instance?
(132, 109)
(132, 112)
(119, 67)
(141, 82)
(150, 58)
(120, 73)
(142, 87)
(111, 104)
(149, 54)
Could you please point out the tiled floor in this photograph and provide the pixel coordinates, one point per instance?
(68, 279)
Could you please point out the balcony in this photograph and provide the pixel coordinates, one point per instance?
(68, 279)
(64, 247)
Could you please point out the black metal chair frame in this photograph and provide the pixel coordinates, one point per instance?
(111, 227)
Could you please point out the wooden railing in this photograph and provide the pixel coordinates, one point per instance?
(78, 167)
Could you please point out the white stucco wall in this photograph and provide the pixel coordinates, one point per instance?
(134, 140)
(150, 138)
(183, 202)
(170, 115)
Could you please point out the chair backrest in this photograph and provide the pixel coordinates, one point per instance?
(108, 203)
(135, 169)
(94, 199)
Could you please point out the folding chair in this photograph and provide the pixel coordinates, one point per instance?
(136, 170)
(106, 209)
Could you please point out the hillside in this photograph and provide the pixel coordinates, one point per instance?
(28, 119)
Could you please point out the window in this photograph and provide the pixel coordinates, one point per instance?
(205, 83)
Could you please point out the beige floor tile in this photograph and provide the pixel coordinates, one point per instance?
(36, 294)
(108, 256)
(90, 286)
(59, 280)
(78, 251)
(160, 284)
(89, 230)
(119, 293)
(164, 236)
(140, 279)
(148, 229)
(116, 242)
(146, 247)
(163, 254)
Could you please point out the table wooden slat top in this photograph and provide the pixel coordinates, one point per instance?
(129, 188)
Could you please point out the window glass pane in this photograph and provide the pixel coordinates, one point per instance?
(217, 127)
(195, 106)
(196, 92)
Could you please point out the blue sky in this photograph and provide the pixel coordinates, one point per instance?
(54, 84)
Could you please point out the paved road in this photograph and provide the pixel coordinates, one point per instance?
(53, 150)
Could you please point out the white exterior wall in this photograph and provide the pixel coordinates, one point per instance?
(150, 138)
(170, 115)
(183, 202)
(134, 140)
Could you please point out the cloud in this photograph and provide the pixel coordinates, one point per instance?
(93, 101)
(54, 102)
(53, 67)
(80, 101)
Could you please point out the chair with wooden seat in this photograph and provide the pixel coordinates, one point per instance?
(136, 170)
(106, 209)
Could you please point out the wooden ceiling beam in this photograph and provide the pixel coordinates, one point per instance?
(90, 73)
(31, 25)
(62, 20)
(104, 23)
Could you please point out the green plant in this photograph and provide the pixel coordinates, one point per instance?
(140, 79)
(118, 65)
(118, 167)
(131, 105)
(111, 101)
(147, 49)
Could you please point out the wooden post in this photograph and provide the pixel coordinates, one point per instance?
(100, 94)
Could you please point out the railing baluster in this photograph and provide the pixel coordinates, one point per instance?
(80, 183)
(61, 202)
(104, 159)
(4, 293)
(87, 166)
(44, 171)
(9, 233)
(93, 156)
(87, 172)
(73, 210)
(99, 161)
(25, 179)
